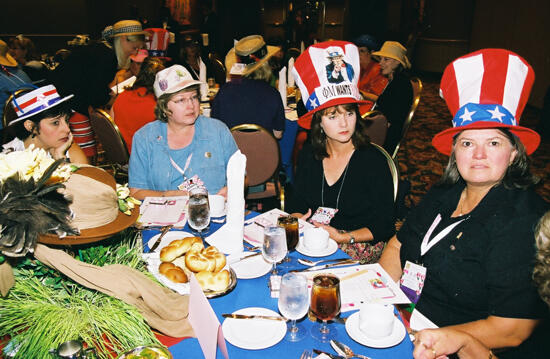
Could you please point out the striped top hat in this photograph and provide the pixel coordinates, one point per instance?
(488, 88)
(327, 74)
(157, 42)
(36, 101)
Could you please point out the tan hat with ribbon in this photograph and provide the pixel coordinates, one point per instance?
(249, 53)
(123, 27)
(394, 50)
(5, 58)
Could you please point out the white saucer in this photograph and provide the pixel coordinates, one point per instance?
(254, 333)
(396, 336)
(249, 268)
(330, 248)
(168, 237)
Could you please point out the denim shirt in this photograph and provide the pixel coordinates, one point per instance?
(211, 147)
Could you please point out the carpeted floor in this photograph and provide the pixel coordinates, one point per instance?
(422, 165)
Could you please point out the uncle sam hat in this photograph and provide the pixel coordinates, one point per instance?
(321, 84)
(488, 88)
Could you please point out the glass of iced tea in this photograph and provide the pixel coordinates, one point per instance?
(290, 224)
(325, 305)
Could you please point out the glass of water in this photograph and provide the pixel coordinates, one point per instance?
(198, 209)
(294, 303)
(274, 246)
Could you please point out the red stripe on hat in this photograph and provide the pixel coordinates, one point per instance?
(305, 68)
(495, 64)
(33, 100)
(449, 88)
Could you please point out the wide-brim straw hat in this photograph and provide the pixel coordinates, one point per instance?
(94, 234)
(250, 52)
(487, 89)
(123, 27)
(5, 58)
(394, 50)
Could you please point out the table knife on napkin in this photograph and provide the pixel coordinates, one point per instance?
(243, 316)
(325, 266)
(331, 356)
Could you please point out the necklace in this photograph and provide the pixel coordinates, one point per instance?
(323, 185)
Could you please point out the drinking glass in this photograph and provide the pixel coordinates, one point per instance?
(325, 305)
(198, 209)
(290, 224)
(274, 246)
(294, 303)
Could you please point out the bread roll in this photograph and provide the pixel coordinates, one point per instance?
(173, 272)
(218, 257)
(179, 247)
(213, 281)
(197, 262)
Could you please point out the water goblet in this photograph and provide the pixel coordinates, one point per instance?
(290, 224)
(198, 209)
(294, 303)
(274, 246)
(325, 305)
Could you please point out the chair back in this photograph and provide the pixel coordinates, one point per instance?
(261, 150)
(218, 68)
(376, 128)
(417, 90)
(112, 142)
(393, 168)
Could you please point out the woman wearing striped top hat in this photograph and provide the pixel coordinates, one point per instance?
(340, 177)
(41, 119)
(465, 254)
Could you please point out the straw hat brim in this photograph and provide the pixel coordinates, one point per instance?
(8, 60)
(95, 234)
(404, 61)
(231, 59)
(443, 141)
(305, 120)
(132, 33)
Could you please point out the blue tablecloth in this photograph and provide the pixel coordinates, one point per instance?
(255, 293)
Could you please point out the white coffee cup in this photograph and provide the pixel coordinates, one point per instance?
(315, 239)
(376, 320)
(217, 205)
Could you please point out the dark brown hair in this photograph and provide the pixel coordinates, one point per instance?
(161, 109)
(146, 76)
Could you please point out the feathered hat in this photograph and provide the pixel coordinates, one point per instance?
(488, 88)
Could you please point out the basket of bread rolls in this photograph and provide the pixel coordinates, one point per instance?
(181, 257)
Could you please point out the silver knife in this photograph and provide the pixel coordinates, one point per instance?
(165, 230)
(331, 356)
(243, 316)
(325, 266)
(244, 256)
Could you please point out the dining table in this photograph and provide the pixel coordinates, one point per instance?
(256, 293)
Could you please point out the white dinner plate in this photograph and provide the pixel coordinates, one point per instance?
(396, 336)
(254, 333)
(330, 249)
(168, 237)
(249, 268)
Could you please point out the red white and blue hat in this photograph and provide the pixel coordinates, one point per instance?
(158, 41)
(320, 84)
(488, 88)
(36, 101)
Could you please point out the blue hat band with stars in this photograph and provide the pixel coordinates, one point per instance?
(473, 112)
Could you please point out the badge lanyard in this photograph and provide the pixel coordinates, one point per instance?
(427, 244)
(178, 168)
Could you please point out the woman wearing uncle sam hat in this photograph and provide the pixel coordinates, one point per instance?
(472, 235)
(341, 178)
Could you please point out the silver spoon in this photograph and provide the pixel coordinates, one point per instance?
(309, 263)
(343, 349)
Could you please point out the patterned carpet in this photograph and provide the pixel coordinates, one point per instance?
(422, 165)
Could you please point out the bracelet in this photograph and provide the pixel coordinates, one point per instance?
(491, 355)
(351, 236)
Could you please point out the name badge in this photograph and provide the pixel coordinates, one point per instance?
(190, 182)
(412, 280)
(323, 215)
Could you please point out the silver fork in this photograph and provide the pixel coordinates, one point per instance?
(309, 263)
(306, 355)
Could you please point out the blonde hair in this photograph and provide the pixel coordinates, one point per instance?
(541, 272)
(262, 73)
(122, 59)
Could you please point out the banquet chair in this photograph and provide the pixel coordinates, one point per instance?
(377, 128)
(393, 168)
(417, 90)
(263, 161)
(218, 68)
(115, 150)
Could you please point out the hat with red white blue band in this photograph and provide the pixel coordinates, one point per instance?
(321, 85)
(36, 101)
(488, 88)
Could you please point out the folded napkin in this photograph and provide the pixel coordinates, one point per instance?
(202, 78)
(290, 77)
(282, 85)
(162, 308)
(229, 238)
